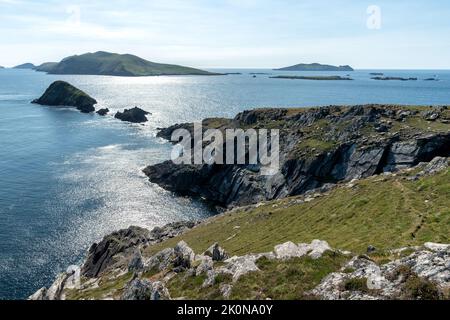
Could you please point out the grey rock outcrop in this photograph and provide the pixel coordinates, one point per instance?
(216, 253)
(142, 289)
(354, 154)
(425, 274)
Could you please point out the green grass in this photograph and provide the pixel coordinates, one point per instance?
(286, 280)
(277, 279)
(384, 212)
(107, 287)
(105, 63)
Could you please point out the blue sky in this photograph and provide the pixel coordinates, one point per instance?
(231, 33)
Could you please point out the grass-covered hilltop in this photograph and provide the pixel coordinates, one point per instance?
(359, 210)
(113, 64)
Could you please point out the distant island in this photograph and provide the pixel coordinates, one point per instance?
(394, 78)
(113, 64)
(25, 66)
(46, 66)
(1, 67)
(316, 67)
(334, 78)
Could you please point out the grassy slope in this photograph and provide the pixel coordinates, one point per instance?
(103, 63)
(379, 211)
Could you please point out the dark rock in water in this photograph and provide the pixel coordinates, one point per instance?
(135, 115)
(61, 93)
(120, 247)
(103, 112)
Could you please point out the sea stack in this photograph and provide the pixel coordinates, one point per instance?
(61, 93)
(135, 115)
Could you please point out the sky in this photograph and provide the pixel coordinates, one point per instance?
(376, 34)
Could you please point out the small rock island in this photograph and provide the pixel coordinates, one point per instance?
(135, 115)
(61, 93)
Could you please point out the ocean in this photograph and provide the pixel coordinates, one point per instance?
(67, 179)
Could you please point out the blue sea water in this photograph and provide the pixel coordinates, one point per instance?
(67, 179)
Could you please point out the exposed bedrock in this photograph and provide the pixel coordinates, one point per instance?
(317, 147)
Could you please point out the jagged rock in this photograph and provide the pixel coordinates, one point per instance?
(118, 248)
(206, 264)
(317, 248)
(239, 266)
(436, 246)
(431, 115)
(136, 264)
(103, 255)
(103, 112)
(388, 281)
(61, 93)
(184, 256)
(135, 115)
(225, 290)
(142, 289)
(216, 253)
(160, 261)
(41, 294)
(436, 165)
(210, 278)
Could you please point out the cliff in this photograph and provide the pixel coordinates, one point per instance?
(61, 93)
(319, 147)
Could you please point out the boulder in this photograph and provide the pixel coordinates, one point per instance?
(135, 115)
(289, 250)
(142, 289)
(103, 255)
(136, 264)
(184, 256)
(61, 93)
(216, 253)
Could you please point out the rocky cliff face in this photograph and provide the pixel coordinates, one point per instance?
(61, 93)
(318, 147)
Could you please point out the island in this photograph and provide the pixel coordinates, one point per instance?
(61, 93)
(1, 67)
(394, 78)
(315, 67)
(330, 78)
(113, 64)
(134, 115)
(29, 66)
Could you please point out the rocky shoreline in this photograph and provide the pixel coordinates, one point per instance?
(318, 147)
(124, 266)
